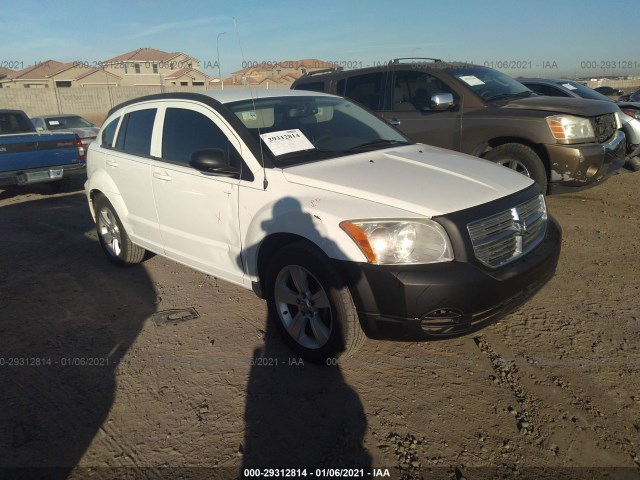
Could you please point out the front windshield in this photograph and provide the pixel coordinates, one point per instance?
(584, 92)
(489, 84)
(60, 123)
(299, 129)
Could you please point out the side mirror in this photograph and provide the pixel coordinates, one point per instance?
(213, 161)
(441, 101)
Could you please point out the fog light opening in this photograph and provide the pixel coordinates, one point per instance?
(592, 170)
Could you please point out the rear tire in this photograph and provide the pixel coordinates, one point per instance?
(521, 159)
(311, 306)
(115, 242)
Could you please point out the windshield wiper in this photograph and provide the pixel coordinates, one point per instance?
(306, 152)
(375, 143)
(523, 94)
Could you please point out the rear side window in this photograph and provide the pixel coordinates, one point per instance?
(135, 133)
(108, 133)
(311, 86)
(186, 131)
(367, 89)
(11, 122)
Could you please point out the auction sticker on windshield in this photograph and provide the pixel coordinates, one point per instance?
(286, 141)
(471, 80)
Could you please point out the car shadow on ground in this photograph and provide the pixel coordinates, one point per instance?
(68, 318)
(299, 415)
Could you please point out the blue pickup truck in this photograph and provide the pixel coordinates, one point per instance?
(28, 157)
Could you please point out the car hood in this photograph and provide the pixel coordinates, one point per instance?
(574, 106)
(418, 178)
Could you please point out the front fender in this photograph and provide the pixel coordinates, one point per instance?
(302, 217)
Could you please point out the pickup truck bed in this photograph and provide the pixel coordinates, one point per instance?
(28, 157)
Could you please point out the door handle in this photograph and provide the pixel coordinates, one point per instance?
(394, 121)
(162, 175)
(112, 163)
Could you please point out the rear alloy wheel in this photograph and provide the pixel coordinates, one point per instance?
(113, 238)
(522, 159)
(311, 307)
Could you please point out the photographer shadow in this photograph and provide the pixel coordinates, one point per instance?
(68, 320)
(300, 415)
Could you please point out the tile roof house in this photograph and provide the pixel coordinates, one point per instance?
(281, 74)
(51, 73)
(148, 66)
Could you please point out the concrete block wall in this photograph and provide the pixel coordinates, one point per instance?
(93, 103)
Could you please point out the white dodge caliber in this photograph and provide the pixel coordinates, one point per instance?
(346, 227)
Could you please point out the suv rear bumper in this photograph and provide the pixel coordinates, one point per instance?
(426, 302)
(575, 167)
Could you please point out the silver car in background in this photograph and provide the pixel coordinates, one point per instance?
(86, 130)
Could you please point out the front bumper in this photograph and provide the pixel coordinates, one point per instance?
(21, 177)
(425, 302)
(575, 167)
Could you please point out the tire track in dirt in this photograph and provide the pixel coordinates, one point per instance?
(540, 396)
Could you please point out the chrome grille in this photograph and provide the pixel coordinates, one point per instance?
(604, 126)
(506, 236)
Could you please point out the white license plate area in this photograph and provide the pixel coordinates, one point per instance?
(33, 177)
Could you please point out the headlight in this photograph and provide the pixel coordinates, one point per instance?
(400, 241)
(632, 113)
(568, 127)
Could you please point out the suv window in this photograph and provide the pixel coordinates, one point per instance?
(109, 132)
(412, 90)
(186, 131)
(367, 89)
(311, 86)
(135, 134)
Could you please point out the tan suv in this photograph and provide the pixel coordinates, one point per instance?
(562, 143)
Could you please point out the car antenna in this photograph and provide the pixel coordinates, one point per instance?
(264, 173)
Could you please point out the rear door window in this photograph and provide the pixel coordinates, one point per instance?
(135, 133)
(368, 89)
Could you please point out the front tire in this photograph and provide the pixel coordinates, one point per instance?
(311, 306)
(521, 159)
(115, 242)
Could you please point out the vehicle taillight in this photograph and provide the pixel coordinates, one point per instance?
(82, 152)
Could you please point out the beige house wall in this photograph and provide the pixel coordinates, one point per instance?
(127, 70)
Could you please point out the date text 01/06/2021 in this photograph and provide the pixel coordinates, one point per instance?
(316, 473)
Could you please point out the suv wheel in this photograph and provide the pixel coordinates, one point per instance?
(522, 159)
(310, 305)
(114, 240)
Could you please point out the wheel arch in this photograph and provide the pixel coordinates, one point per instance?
(102, 184)
(498, 141)
(269, 246)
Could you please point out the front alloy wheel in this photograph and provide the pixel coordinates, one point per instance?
(303, 306)
(311, 305)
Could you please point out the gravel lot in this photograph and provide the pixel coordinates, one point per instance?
(101, 380)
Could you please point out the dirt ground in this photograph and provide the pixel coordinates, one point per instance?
(99, 379)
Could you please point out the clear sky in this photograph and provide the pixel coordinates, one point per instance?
(539, 37)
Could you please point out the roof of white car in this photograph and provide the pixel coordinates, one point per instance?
(239, 94)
